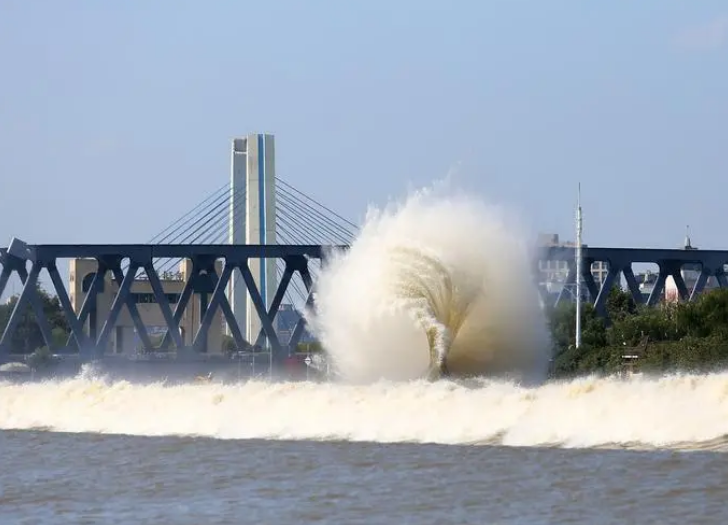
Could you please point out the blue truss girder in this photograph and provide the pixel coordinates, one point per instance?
(203, 280)
(620, 261)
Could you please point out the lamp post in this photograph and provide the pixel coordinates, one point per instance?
(578, 267)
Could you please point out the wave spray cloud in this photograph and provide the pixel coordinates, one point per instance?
(437, 284)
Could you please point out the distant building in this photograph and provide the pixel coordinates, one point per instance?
(646, 282)
(124, 337)
(552, 274)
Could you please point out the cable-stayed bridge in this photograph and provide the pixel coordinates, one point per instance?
(237, 270)
(299, 220)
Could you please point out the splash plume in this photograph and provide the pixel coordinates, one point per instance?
(438, 284)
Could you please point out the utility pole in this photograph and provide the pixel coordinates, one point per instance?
(578, 267)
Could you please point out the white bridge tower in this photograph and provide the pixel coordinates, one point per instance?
(252, 217)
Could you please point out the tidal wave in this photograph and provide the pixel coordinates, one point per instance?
(679, 412)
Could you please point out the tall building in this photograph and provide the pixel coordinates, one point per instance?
(252, 217)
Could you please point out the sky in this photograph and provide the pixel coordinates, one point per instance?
(117, 117)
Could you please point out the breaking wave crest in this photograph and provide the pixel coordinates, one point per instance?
(683, 412)
(439, 276)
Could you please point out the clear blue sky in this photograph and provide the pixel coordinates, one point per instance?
(116, 117)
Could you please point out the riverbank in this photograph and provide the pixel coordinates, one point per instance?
(682, 337)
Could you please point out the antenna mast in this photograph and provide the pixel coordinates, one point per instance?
(578, 267)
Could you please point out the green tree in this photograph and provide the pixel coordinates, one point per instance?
(620, 303)
(711, 309)
(567, 359)
(685, 336)
(27, 336)
(562, 323)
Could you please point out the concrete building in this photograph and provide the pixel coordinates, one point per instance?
(552, 274)
(124, 338)
(253, 221)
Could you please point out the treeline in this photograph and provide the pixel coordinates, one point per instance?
(679, 336)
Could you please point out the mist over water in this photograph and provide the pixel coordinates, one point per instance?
(441, 264)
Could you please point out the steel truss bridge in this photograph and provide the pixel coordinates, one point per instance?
(304, 227)
(620, 263)
(125, 262)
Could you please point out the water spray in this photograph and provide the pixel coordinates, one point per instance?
(435, 285)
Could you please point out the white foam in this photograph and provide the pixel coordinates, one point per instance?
(671, 411)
